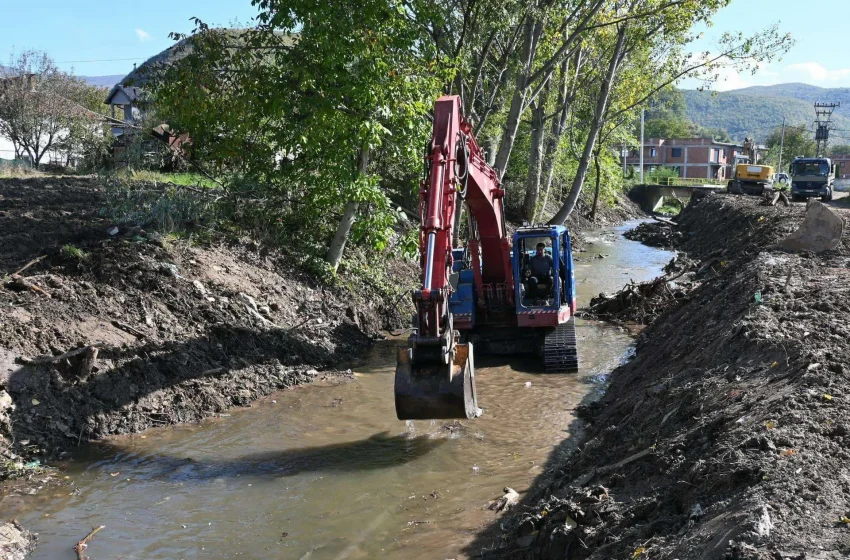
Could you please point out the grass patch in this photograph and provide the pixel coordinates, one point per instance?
(13, 171)
(73, 253)
(671, 207)
(183, 179)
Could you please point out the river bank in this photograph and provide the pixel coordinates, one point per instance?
(726, 435)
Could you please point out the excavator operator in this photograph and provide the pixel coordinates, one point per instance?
(540, 267)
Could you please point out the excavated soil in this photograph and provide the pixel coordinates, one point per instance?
(181, 331)
(726, 436)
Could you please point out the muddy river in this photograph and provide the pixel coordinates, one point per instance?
(327, 472)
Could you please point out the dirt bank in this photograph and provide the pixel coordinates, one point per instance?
(115, 330)
(727, 435)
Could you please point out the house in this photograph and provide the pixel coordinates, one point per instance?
(693, 158)
(842, 166)
(124, 104)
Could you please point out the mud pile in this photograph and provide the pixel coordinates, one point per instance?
(655, 234)
(727, 436)
(113, 330)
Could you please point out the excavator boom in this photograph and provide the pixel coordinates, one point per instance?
(435, 376)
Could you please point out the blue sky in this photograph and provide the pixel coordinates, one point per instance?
(99, 32)
(818, 26)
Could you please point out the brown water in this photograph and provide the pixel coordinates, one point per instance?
(327, 472)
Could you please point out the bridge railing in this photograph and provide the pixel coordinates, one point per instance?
(682, 182)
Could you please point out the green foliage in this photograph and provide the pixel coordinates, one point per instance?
(839, 150)
(166, 208)
(667, 117)
(73, 253)
(670, 207)
(284, 109)
(799, 141)
(326, 104)
(182, 179)
(659, 173)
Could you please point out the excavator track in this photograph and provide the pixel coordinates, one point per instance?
(560, 350)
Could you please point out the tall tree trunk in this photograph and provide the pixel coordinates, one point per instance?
(344, 228)
(565, 95)
(599, 113)
(598, 176)
(533, 28)
(538, 135)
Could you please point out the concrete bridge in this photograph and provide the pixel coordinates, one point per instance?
(650, 197)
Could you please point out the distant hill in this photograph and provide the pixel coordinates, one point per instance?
(758, 110)
(102, 81)
(97, 81)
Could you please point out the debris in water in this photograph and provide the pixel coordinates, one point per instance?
(528, 383)
(82, 545)
(506, 502)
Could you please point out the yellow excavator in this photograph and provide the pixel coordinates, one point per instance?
(748, 176)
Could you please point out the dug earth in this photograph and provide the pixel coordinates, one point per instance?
(727, 435)
(110, 330)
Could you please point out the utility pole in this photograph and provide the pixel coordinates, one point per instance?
(642, 111)
(824, 113)
(624, 153)
(781, 145)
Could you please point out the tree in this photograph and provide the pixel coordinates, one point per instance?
(839, 150)
(663, 34)
(298, 107)
(799, 141)
(41, 107)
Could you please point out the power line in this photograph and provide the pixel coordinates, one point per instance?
(99, 60)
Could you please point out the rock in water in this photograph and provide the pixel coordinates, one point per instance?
(820, 231)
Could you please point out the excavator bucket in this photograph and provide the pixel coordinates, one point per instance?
(431, 390)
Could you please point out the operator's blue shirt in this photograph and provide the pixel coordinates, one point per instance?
(541, 266)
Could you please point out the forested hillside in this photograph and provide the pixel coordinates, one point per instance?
(758, 110)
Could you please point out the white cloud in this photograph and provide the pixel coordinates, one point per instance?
(729, 78)
(143, 35)
(814, 72)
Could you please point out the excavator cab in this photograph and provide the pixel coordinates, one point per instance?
(539, 292)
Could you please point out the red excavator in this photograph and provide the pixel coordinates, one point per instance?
(500, 294)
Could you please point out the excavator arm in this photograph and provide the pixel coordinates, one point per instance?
(435, 376)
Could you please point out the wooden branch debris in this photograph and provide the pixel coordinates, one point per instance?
(777, 196)
(50, 359)
(88, 357)
(582, 480)
(29, 264)
(80, 547)
(127, 328)
(21, 284)
(665, 221)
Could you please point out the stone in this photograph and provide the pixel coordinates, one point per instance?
(820, 231)
(199, 288)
